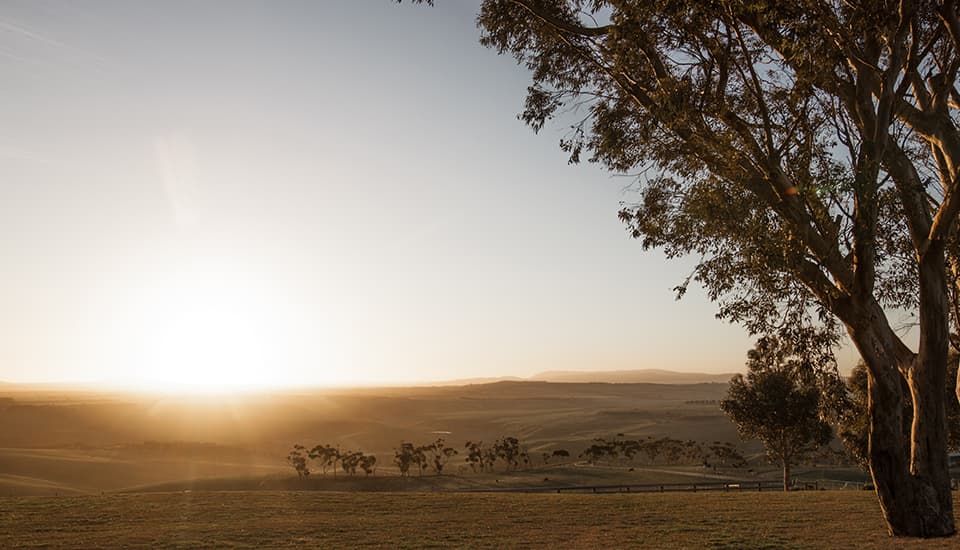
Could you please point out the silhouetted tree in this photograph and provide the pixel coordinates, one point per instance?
(420, 458)
(509, 450)
(595, 452)
(475, 455)
(327, 456)
(439, 453)
(727, 455)
(404, 457)
(368, 464)
(350, 460)
(298, 459)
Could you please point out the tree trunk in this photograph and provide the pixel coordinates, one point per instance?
(912, 481)
(928, 373)
(786, 475)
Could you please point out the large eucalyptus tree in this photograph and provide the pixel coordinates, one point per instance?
(806, 152)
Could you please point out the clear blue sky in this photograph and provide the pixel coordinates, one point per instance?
(285, 192)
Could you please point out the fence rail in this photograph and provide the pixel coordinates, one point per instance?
(692, 487)
(731, 486)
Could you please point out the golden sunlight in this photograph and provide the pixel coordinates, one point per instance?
(214, 329)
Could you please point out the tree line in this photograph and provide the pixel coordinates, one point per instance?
(327, 457)
(667, 450)
(509, 454)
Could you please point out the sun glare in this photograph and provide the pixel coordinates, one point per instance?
(212, 330)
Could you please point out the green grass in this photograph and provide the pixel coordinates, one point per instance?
(826, 519)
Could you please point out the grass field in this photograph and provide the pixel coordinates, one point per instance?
(825, 519)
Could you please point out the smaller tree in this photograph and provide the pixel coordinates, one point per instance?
(777, 404)
(561, 453)
(350, 460)
(404, 457)
(440, 453)
(475, 455)
(727, 455)
(510, 451)
(420, 458)
(298, 459)
(368, 464)
(326, 456)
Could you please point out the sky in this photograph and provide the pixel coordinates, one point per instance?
(322, 193)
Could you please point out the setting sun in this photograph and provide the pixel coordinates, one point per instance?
(214, 329)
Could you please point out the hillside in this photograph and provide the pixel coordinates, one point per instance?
(637, 376)
(88, 442)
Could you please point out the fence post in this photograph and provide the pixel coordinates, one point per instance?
(759, 486)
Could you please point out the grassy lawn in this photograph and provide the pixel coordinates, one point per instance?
(826, 519)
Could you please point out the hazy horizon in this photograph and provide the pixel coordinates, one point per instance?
(215, 196)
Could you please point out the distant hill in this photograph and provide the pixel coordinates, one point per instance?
(475, 381)
(637, 376)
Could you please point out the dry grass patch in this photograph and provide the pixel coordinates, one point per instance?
(448, 520)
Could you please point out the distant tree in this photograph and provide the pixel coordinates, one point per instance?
(404, 457)
(420, 458)
(546, 458)
(561, 453)
(439, 453)
(475, 457)
(727, 455)
(775, 405)
(509, 450)
(628, 448)
(595, 452)
(350, 460)
(368, 464)
(298, 460)
(490, 456)
(327, 456)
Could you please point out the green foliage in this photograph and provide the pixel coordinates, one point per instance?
(777, 403)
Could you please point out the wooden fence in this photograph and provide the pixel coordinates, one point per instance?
(692, 487)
